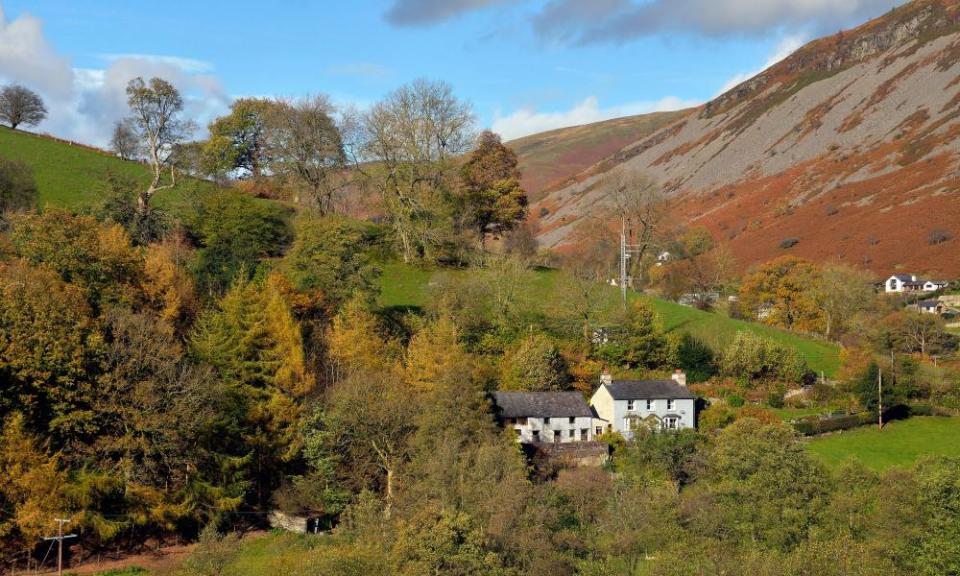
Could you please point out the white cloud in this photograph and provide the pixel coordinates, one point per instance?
(785, 48)
(84, 103)
(528, 121)
(185, 64)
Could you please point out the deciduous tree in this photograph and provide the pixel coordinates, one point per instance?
(20, 105)
(490, 187)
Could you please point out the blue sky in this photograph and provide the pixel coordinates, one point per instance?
(525, 65)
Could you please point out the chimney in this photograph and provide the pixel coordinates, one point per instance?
(679, 377)
(605, 377)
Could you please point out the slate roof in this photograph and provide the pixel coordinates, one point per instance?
(903, 277)
(928, 303)
(541, 404)
(648, 390)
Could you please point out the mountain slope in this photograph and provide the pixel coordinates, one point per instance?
(551, 158)
(851, 145)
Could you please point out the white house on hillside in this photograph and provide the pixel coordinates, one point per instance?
(551, 417)
(661, 404)
(899, 283)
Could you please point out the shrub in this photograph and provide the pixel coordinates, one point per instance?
(735, 400)
(788, 243)
(832, 210)
(814, 425)
(544, 211)
(775, 400)
(752, 358)
(18, 189)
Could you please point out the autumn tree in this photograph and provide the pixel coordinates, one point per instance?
(156, 108)
(20, 105)
(490, 187)
(413, 137)
(18, 189)
(640, 341)
(781, 293)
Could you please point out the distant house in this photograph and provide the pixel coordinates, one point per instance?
(547, 417)
(660, 404)
(663, 258)
(900, 283)
(931, 307)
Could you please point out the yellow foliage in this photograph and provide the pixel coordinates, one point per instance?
(167, 285)
(435, 354)
(354, 340)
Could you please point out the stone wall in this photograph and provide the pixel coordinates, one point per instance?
(571, 453)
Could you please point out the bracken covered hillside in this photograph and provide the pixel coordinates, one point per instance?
(851, 146)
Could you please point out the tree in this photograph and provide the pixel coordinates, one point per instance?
(306, 149)
(641, 343)
(413, 138)
(18, 190)
(123, 141)
(156, 115)
(842, 292)
(239, 138)
(20, 105)
(781, 293)
(534, 364)
(329, 255)
(490, 183)
(641, 205)
(751, 358)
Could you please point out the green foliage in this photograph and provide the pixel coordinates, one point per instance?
(534, 364)
(235, 233)
(642, 343)
(751, 359)
(330, 255)
(18, 190)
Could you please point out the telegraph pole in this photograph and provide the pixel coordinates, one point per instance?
(880, 398)
(627, 251)
(60, 537)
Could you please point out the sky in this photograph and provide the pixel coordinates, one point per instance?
(526, 66)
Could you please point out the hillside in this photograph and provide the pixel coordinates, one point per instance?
(851, 145)
(549, 159)
(72, 176)
(405, 286)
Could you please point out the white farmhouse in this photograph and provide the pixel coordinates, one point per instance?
(899, 283)
(660, 404)
(547, 417)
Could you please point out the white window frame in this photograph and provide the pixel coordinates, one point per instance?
(671, 404)
(631, 405)
(651, 405)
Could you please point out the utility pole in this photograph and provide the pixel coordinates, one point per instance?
(627, 251)
(60, 537)
(880, 398)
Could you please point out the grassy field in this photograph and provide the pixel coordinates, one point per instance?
(73, 176)
(900, 444)
(406, 286)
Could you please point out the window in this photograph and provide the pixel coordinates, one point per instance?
(584, 433)
(556, 436)
(629, 405)
(571, 433)
(671, 423)
(536, 435)
(546, 420)
(599, 431)
(650, 404)
(671, 404)
(573, 420)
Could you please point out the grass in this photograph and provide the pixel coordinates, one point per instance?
(408, 286)
(900, 444)
(73, 177)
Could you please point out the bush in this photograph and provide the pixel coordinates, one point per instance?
(18, 189)
(751, 358)
(814, 425)
(938, 236)
(788, 243)
(775, 400)
(735, 400)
